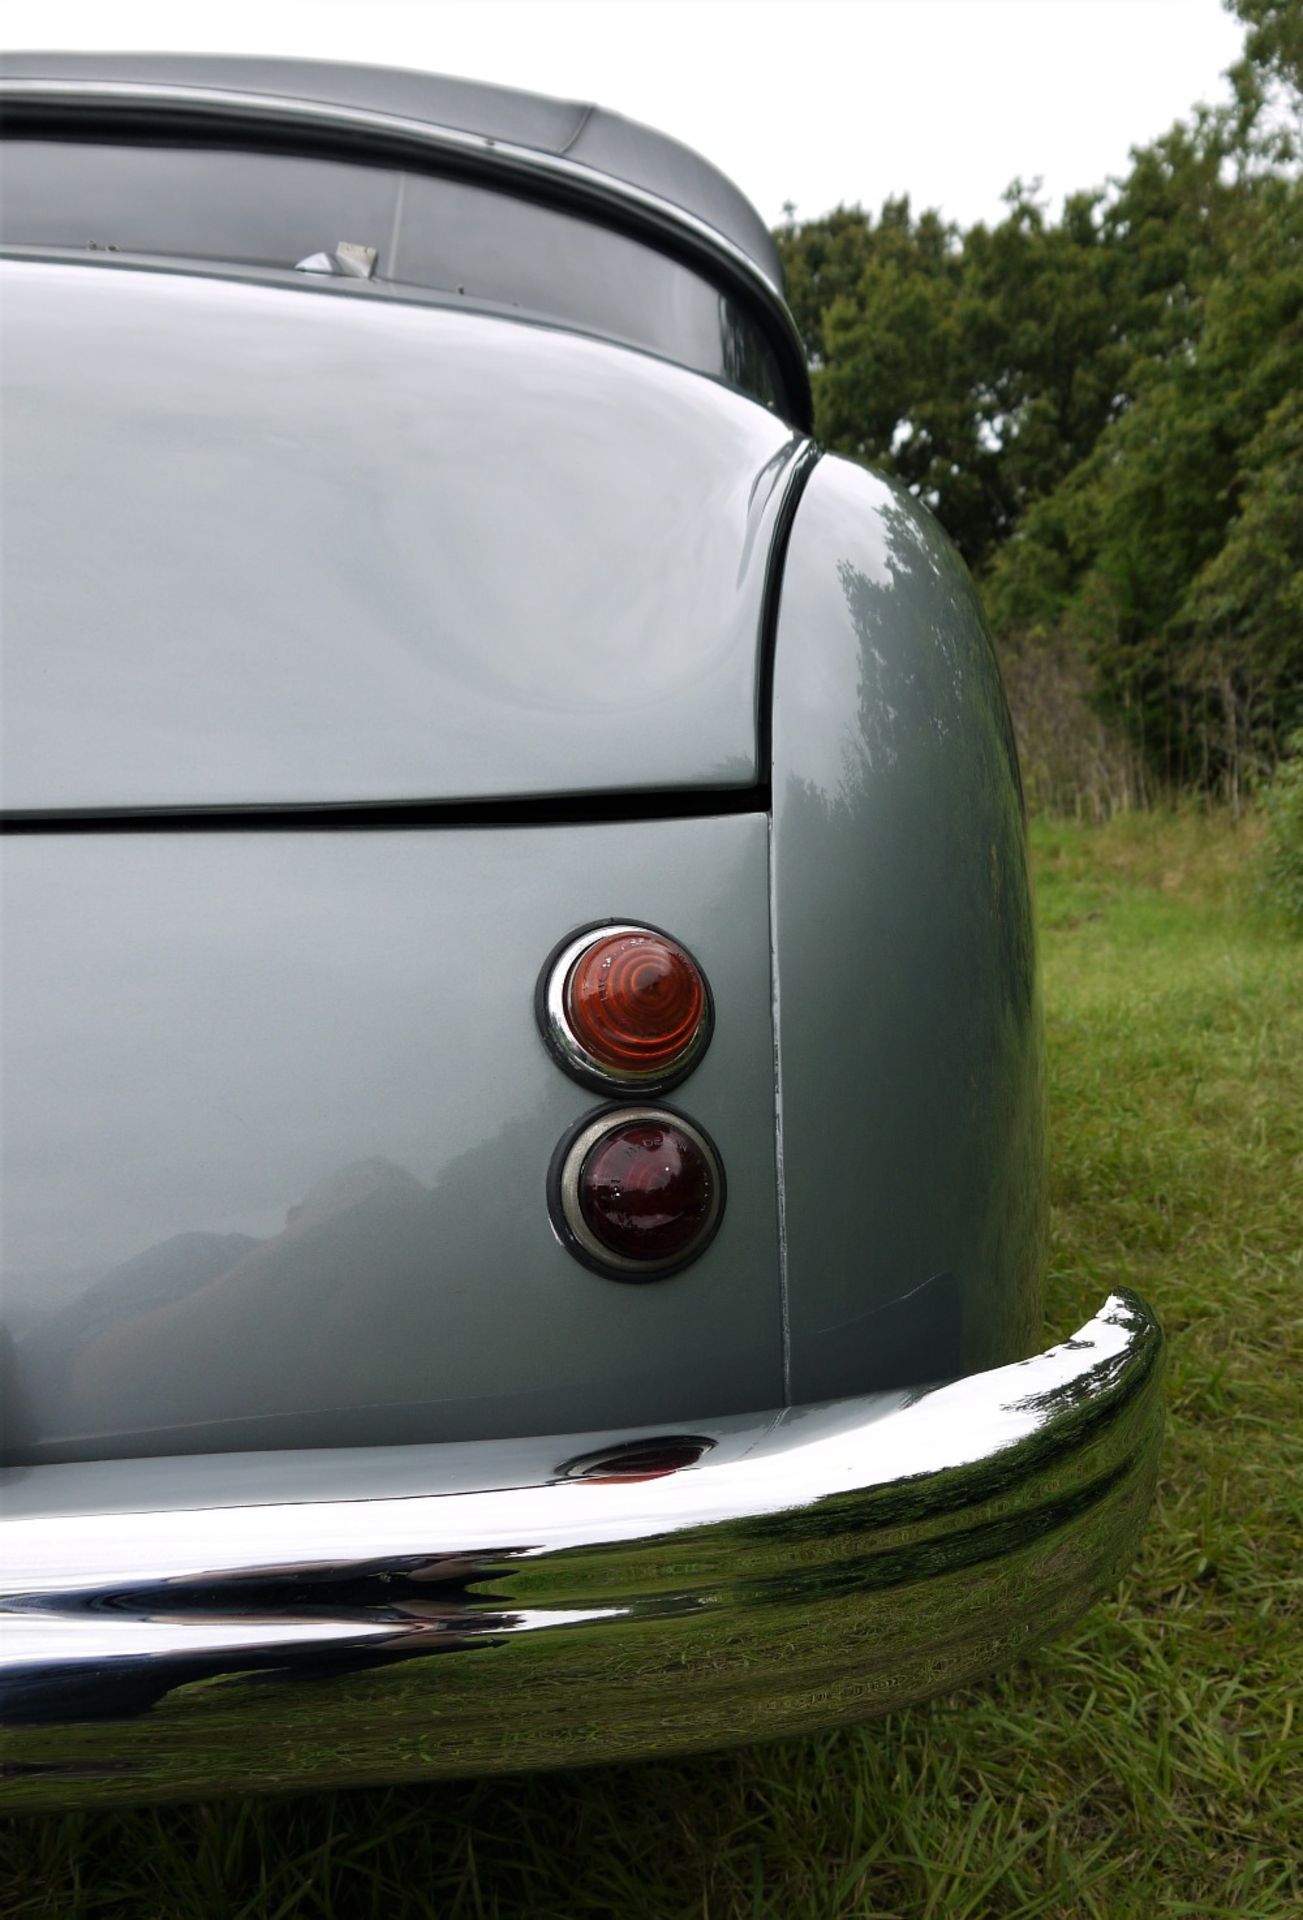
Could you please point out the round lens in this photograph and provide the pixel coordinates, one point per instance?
(647, 1192)
(636, 1002)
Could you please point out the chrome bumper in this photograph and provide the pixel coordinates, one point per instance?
(185, 1627)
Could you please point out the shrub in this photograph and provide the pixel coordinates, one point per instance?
(1075, 764)
(1282, 853)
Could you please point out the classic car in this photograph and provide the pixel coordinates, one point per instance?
(524, 1187)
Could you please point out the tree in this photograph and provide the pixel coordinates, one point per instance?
(1102, 409)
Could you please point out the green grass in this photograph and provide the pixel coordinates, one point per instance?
(1149, 1765)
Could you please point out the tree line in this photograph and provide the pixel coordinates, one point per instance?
(1105, 409)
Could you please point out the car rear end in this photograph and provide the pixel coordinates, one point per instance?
(424, 609)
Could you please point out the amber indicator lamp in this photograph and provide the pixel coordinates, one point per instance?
(625, 1007)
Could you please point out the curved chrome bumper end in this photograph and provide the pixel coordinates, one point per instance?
(183, 1628)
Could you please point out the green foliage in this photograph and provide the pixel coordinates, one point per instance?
(1149, 554)
(1275, 37)
(1244, 608)
(1104, 411)
(1282, 862)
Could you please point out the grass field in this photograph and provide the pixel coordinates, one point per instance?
(1150, 1765)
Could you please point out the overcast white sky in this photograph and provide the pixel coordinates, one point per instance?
(815, 101)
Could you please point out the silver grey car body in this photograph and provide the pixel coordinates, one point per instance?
(414, 551)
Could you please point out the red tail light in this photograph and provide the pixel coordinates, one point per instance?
(637, 1193)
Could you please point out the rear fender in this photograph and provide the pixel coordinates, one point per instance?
(909, 1029)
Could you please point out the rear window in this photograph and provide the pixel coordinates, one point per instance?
(434, 237)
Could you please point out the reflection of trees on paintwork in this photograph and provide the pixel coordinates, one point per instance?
(203, 1324)
(904, 786)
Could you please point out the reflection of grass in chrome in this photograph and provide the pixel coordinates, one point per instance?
(862, 1623)
(1145, 1766)
(769, 1625)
